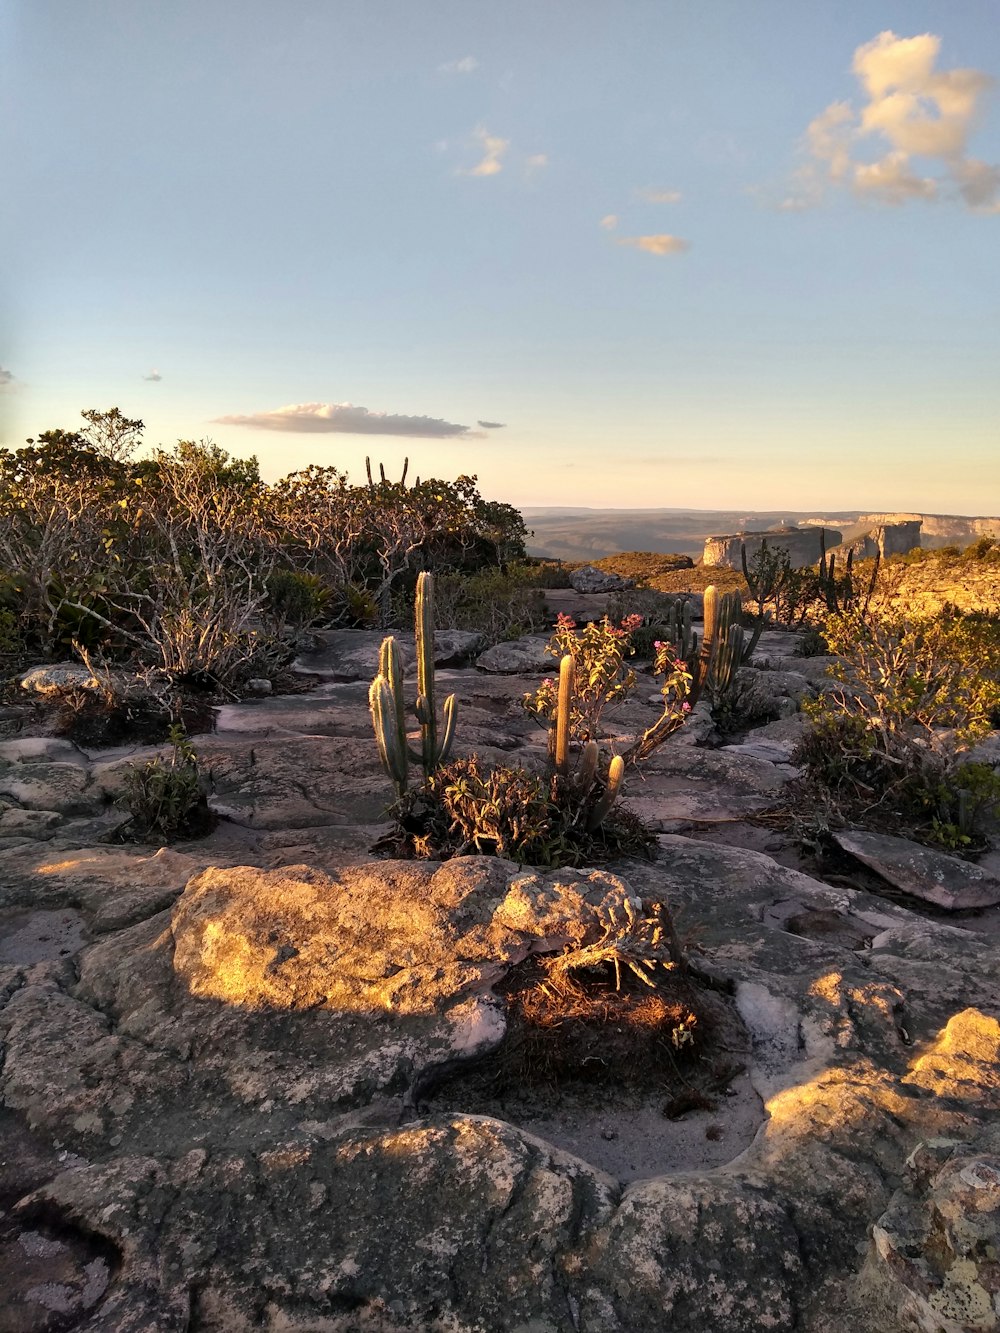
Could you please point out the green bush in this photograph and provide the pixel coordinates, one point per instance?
(465, 808)
(891, 744)
(297, 599)
(499, 604)
(166, 798)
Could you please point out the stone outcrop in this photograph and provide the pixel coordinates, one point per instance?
(804, 546)
(590, 579)
(885, 539)
(217, 1060)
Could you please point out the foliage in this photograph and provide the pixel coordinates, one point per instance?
(497, 603)
(10, 638)
(186, 560)
(508, 811)
(295, 599)
(167, 798)
(892, 740)
(765, 574)
(918, 673)
(599, 652)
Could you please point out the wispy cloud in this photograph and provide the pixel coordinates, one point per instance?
(467, 65)
(493, 149)
(536, 162)
(154, 376)
(661, 244)
(5, 378)
(609, 222)
(652, 195)
(491, 425)
(910, 110)
(347, 419)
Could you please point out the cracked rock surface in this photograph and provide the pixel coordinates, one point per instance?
(210, 1061)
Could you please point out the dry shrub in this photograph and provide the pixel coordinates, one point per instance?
(574, 1025)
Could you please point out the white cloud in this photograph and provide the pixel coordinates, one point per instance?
(610, 222)
(347, 419)
(5, 378)
(536, 162)
(911, 110)
(491, 425)
(154, 376)
(493, 149)
(656, 245)
(654, 196)
(467, 65)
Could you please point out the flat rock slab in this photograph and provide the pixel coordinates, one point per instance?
(932, 876)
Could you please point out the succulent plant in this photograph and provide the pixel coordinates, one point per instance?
(387, 706)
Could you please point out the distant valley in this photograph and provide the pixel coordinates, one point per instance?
(590, 534)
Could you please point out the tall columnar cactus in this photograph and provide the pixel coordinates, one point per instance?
(386, 700)
(724, 648)
(580, 786)
(840, 594)
(560, 728)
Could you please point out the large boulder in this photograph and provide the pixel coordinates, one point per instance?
(923, 872)
(590, 579)
(528, 655)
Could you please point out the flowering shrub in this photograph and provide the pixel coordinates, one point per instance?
(603, 677)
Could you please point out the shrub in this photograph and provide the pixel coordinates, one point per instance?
(599, 653)
(916, 694)
(466, 808)
(296, 599)
(499, 604)
(167, 798)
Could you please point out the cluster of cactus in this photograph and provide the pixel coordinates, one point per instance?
(766, 574)
(725, 647)
(580, 785)
(386, 700)
(840, 594)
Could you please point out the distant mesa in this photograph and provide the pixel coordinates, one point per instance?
(805, 545)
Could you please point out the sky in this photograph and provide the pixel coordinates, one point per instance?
(628, 253)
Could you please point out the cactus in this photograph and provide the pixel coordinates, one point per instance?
(771, 569)
(602, 808)
(840, 594)
(580, 786)
(386, 700)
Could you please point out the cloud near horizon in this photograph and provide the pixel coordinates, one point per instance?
(348, 419)
(912, 110)
(6, 377)
(661, 244)
(491, 425)
(154, 377)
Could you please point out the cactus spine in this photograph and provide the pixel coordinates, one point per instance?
(386, 699)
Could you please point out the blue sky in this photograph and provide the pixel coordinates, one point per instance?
(707, 255)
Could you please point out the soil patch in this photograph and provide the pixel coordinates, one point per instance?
(639, 1081)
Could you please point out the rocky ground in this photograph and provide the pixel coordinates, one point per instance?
(231, 1070)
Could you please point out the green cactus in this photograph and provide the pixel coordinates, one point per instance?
(386, 700)
(840, 594)
(579, 787)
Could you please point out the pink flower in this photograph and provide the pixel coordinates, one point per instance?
(685, 708)
(564, 621)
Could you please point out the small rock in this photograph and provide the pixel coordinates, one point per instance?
(259, 686)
